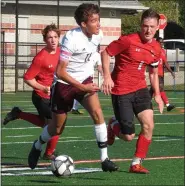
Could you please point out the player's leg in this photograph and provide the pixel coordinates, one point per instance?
(17, 113)
(144, 112)
(92, 105)
(43, 107)
(75, 109)
(60, 108)
(164, 96)
(122, 126)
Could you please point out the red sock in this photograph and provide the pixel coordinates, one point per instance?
(116, 129)
(164, 97)
(142, 146)
(51, 145)
(32, 118)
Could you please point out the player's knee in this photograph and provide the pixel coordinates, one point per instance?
(127, 137)
(97, 115)
(148, 128)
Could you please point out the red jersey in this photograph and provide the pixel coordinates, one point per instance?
(131, 58)
(161, 63)
(42, 69)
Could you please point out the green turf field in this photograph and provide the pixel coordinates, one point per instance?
(165, 159)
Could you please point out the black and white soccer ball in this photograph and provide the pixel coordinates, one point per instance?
(62, 165)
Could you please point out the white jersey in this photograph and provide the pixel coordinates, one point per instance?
(79, 50)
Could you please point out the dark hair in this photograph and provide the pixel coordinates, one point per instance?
(150, 13)
(48, 28)
(84, 11)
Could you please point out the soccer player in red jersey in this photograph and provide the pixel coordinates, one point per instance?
(128, 88)
(39, 76)
(163, 63)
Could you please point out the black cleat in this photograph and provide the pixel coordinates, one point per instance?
(12, 115)
(108, 165)
(170, 107)
(76, 111)
(33, 156)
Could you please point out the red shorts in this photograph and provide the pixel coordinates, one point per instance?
(63, 96)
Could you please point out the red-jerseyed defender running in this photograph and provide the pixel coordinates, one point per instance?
(128, 88)
(39, 76)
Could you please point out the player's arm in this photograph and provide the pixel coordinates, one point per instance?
(62, 74)
(31, 73)
(169, 68)
(154, 80)
(113, 49)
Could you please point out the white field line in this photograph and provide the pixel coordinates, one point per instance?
(18, 169)
(162, 138)
(84, 126)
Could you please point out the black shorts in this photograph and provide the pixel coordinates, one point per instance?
(63, 96)
(42, 105)
(161, 86)
(125, 106)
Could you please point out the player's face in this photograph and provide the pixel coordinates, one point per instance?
(92, 26)
(149, 26)
(52, 40)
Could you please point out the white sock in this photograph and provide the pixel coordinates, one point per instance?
(167, 104)
(75, 105)
(136, 161)
(101, 137)
(44, 137)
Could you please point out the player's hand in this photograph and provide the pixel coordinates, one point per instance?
(91, 87)
(46, 90)
(173, 75)
(160, 103)
(107, 86)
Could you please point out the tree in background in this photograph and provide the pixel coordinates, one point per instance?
(174, 11)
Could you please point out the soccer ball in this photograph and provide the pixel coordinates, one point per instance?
(62, 165)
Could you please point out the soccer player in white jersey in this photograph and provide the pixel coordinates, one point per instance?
(74, 81)
(96, 58)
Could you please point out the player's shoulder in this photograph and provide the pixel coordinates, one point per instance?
(73, 33)
(129, 37)
(41, 54)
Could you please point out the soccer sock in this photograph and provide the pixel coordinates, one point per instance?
(51, 145)
(101, 137)
(164, 97)
(75, 105)
(44, 138)
(115, 127)
(142, 146)
(32, 118)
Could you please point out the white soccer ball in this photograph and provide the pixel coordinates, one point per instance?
(62, 165)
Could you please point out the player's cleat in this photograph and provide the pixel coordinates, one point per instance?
(12, 115)
(49, 156)
(170, 107)
(138, 168)
(33, 156)
(76, 111)
(110, 134)
(108, 165)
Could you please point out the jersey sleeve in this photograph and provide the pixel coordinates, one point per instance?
(67, 48)
(34, 68)
(118, 46)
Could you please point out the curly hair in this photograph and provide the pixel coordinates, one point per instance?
(84, 11)
(48, 28)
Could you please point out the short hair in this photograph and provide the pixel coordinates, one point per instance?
(84, 11)
(48, 28)
(150, 13)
